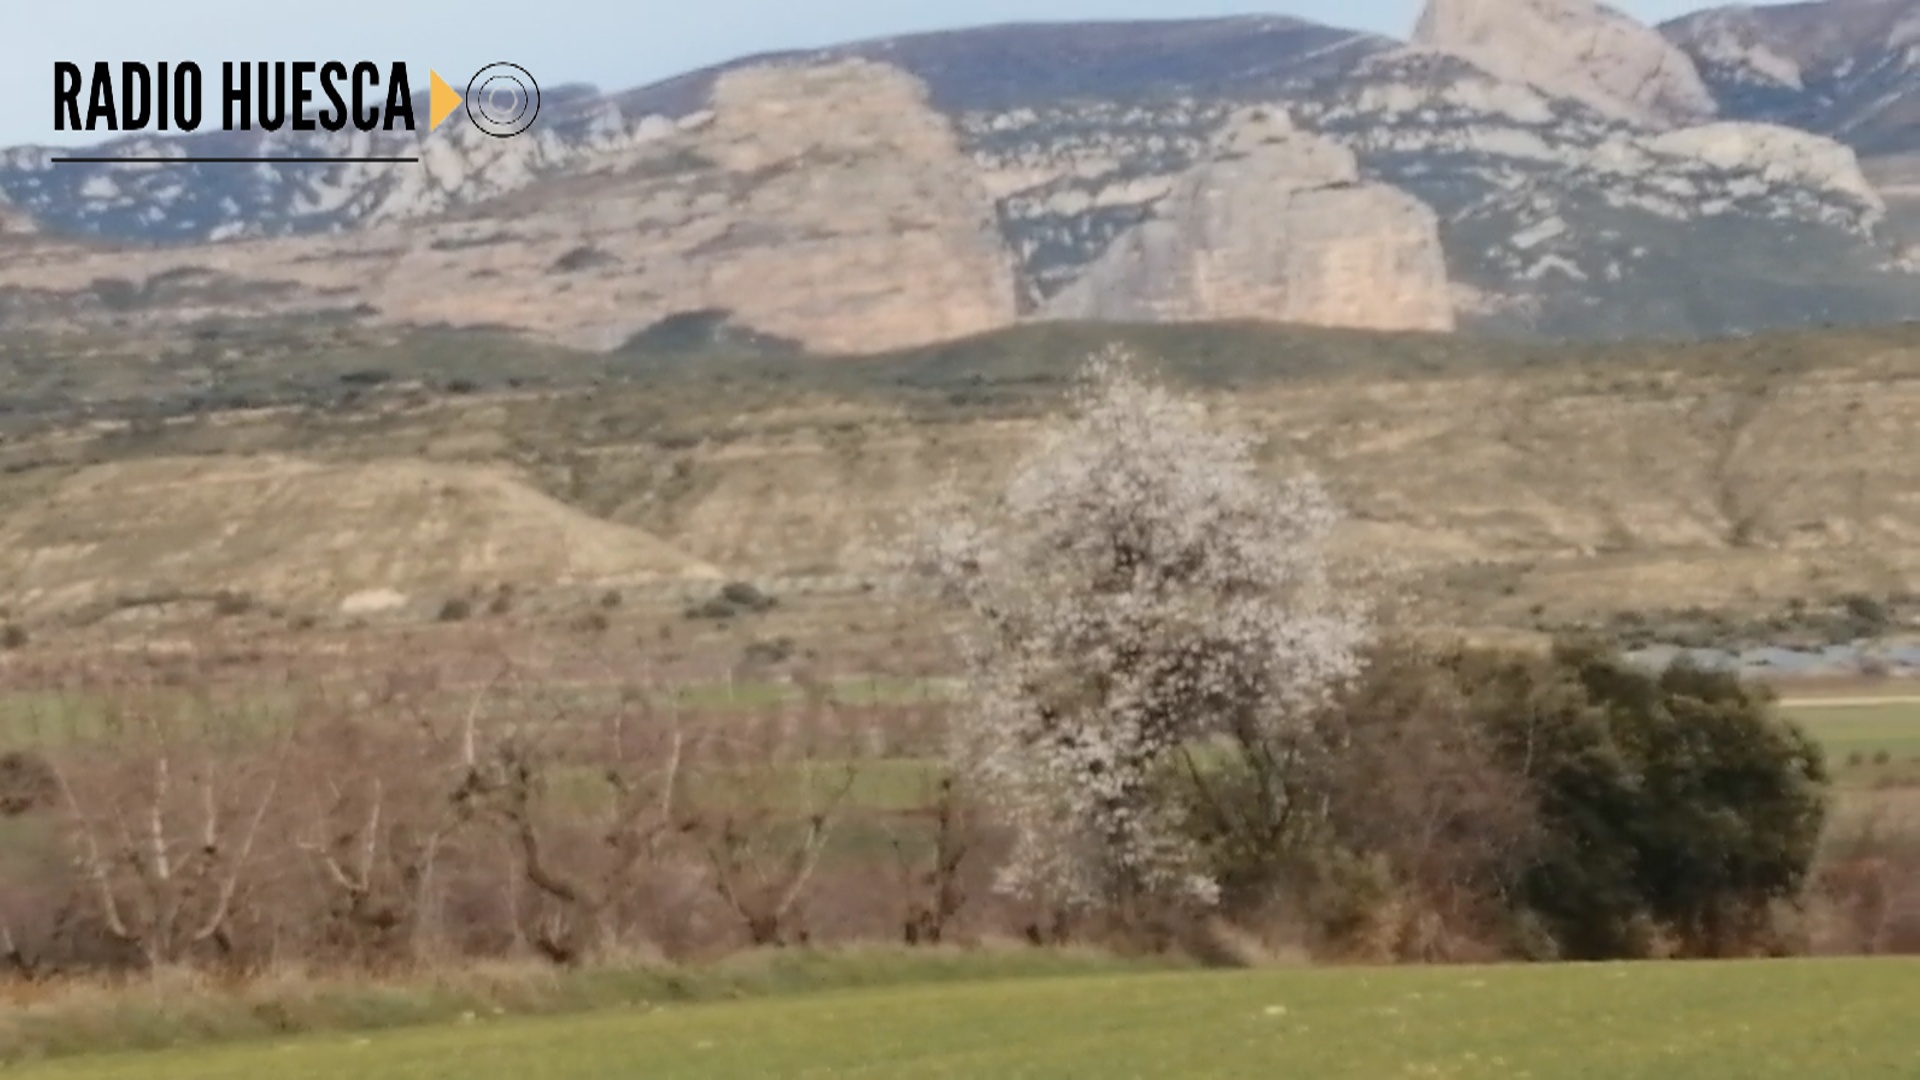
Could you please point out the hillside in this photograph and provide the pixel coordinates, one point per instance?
(1517, 485)
(318, 536)
(1849, 68)
(1486, 175)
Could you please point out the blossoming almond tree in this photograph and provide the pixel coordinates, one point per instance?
(1140, 606)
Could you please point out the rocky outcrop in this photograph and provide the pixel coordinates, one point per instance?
(830, 205)
(1774, 154)
(1575, 49)
(897, 192)
(859, 223)
(826, 204)
(1276, 226)
(1845, 68)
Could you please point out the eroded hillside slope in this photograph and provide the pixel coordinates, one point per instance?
(1508, 484)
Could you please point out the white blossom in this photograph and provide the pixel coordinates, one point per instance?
(1137, 591)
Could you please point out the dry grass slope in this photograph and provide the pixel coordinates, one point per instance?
(1578, 492)
(1516, 483)
(313, 533)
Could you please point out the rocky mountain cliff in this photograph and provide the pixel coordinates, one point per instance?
(1573, 49)
(1523, 166)
(743, 208)
(1849, 69)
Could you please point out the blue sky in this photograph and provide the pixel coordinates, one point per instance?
(613, 43)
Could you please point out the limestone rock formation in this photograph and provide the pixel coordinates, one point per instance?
(1780, 155)
(1577, 49)
(1845, 68)
(823, 203)
(901, 191)
(1276, 226)
(860, 224)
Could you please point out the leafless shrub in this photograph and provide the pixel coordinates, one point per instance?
(588, 800)
(383, 803)
(764, 813)
(1418, 787)
(1865, 896)
(165, 834)
(930, 865)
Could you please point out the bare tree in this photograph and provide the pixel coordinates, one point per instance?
(385, 798)
(618, 774)
(1416, 783)
(166, 837)
(765, 813)
(930, 880)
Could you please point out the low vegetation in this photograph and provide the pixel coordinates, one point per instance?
(1684, 1022)
(1178, 731)
(182, 1008)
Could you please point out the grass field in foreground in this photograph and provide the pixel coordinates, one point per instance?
(1843, 1019)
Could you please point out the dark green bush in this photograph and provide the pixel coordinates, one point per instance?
(734, 599)
(1866, 612)
(712, 608)
(746, 596)
(1563, 805)
(1678, 799)
(768, 652)
(228, 604)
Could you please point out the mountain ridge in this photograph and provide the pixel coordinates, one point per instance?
(1556, 202)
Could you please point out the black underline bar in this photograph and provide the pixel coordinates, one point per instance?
(232, 160)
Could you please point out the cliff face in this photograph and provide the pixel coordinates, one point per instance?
(1533, 167)
(860, 220)
(1575, 49)
(827, 204)
(1276, 224)
(1849, 69)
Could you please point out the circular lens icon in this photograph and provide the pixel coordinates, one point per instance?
(502, 100)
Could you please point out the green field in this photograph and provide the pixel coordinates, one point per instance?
(1866, 728)
(47, 718)
(1842, 1019)
(1867, 742)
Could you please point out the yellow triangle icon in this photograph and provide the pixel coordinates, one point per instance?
(445, 98)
